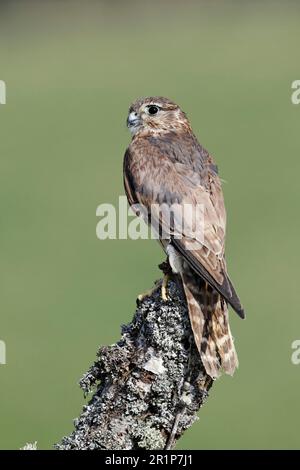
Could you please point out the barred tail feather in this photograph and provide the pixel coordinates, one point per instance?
(223, 338)
(208, 314)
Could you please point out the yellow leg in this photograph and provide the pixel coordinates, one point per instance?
(162, 284)
(149, 292)
(164, 288)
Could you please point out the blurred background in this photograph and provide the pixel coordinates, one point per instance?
(71, 70)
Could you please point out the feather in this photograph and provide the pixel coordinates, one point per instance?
(166, 170)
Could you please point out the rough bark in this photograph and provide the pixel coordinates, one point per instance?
(147, 388)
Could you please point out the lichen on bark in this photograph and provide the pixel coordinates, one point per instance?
(148, 387)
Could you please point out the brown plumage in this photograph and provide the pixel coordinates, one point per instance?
(166, 170)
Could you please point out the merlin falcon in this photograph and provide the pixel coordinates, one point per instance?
(166, 170)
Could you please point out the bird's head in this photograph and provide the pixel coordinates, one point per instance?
(156, 115)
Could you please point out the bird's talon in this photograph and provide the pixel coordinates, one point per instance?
(165, 297)
(148, 293)
(164, 288)
(163, 284)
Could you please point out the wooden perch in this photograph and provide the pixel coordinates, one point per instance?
(148, 387)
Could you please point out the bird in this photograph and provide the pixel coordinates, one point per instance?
(166, 169)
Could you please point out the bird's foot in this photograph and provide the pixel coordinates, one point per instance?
(149, 292)
(162, 284)
(164, 288)
(167, 270)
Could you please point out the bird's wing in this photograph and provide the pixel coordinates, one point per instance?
(176, 197)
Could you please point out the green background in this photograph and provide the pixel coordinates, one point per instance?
(71, 71)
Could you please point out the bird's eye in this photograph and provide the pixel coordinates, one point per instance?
(153, 110)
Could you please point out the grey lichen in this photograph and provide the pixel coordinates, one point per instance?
(148, 387)
(30, 446)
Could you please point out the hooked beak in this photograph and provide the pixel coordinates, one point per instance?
(133, 120)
